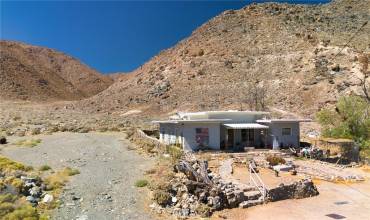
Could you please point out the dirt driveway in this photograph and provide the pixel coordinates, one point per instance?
(105, 187)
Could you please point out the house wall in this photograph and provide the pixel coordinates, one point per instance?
(168, 133)
(275, 130)
(188, 130)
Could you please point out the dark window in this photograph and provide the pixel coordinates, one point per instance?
(247, 135)
(287, 131)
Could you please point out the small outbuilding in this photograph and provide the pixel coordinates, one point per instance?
(229, 130)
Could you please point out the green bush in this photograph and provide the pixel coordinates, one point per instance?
(44, 168)
(141, 183)
(162, 197)
(275, 160)
(23, 212)
(350, 119)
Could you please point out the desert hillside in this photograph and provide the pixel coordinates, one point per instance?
(41, 74)
(288, 50)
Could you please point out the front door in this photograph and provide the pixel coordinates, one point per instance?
(247, 137)
(230, 138)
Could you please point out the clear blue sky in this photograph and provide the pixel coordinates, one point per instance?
(115, 36)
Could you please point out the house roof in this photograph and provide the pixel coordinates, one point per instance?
(192, 121)
(283, 120)
(245, 126)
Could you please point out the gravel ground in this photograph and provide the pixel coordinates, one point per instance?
(105, 187)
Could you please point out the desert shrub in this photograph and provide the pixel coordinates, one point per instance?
(28, 143)
(44, 168)
(204, 210)
(70, 171)
(162, 197)
(175, 152)
(23, 212)
(35, 131)
(58, 179)
(141, 183)
(9, 165)
(5, 208)
(275, 160)
(7, 198)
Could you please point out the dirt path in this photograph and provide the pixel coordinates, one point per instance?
(105, 188)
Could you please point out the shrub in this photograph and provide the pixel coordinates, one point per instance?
(141, 183)
(9, 165)
(28, 143)
(23, 212)
(275, 160)
(70, 171)
(175, 152)
(204, 210)
(162, 197)
(44, 168)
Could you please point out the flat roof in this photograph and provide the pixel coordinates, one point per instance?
(283, 120)
(192, 120)
(245, 126)
(223, 112)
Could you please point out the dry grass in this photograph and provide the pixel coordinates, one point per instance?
(57, 180)
(7, 165)
(28, 143)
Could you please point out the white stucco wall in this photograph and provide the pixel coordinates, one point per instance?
(287, 140)
(188, 130)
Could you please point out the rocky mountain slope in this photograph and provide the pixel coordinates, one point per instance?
(41, 74)
(290, 50)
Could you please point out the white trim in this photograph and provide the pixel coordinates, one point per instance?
(246, 126)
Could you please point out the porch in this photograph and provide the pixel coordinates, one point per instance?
(236, 137)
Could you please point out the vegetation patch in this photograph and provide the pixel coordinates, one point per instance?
(275, 160)
(141, 183)
(44, 168)
(57, 180)
(350, 119)
(28, 143)
(7, 165)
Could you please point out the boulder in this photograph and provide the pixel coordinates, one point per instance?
(3, 140)
(48, 198)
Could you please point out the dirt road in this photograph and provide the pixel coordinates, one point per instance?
(105, 187)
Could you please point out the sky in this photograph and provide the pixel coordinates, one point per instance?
(109, 36)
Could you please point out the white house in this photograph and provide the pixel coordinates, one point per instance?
(229, 130)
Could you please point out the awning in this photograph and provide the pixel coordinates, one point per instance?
(246, 126)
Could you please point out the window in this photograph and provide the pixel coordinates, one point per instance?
(287, 131)
(247, 135)
(202, 136)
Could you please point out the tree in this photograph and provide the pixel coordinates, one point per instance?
(349, 119)
(364, 61)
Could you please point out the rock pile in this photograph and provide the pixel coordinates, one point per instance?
(195, 190)
(33, 189)
(297, 190)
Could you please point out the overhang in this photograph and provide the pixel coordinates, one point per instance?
(245, 126)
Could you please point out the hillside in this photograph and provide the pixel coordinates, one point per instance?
(287, 49)
(40, 74)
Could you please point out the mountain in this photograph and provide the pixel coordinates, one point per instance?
(40, 74)
(290, 51)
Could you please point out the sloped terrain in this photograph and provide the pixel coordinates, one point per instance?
(41, 74)
(290, 50)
